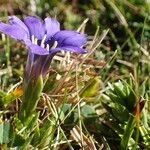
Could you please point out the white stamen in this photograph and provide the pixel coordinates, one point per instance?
(3, 37)
(68, 57)
(32, 39)
(54, 45)
(63, 52)
(43, 40)
(47, 47)
(35, 41)
(58, 77)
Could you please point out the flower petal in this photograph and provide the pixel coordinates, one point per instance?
(52, 26)
(70, 49)
(15, 31)
(70, 38)
(35, 26)
(16, 21)
(35, 49)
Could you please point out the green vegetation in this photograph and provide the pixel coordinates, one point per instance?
(99, 100)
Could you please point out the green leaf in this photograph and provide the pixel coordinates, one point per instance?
(127, 133)
(91, 89)
(131, 100)
(10, 97)
(2, 94)
(4, 132)
(120, 112)
(64, 110)
(145, 135)
(47, 133)
(17, 141)
(123, 94)
(32, 121)
(88, 111)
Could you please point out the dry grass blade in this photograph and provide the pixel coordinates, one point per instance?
(96, 46)
(125, 63)
(87, 143)
(89, 61)
(82, 26)
(95, 36)
(118, 13)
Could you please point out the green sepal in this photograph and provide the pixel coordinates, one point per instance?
(32, 92)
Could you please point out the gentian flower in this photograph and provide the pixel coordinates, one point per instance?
(43, 39)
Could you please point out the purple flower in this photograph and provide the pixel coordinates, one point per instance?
(43, 39)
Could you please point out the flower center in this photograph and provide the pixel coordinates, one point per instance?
(43, 45)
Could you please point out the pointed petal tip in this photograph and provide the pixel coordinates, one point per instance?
(52, 26)
(70, 38)
(15, 31)
(35, 26)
